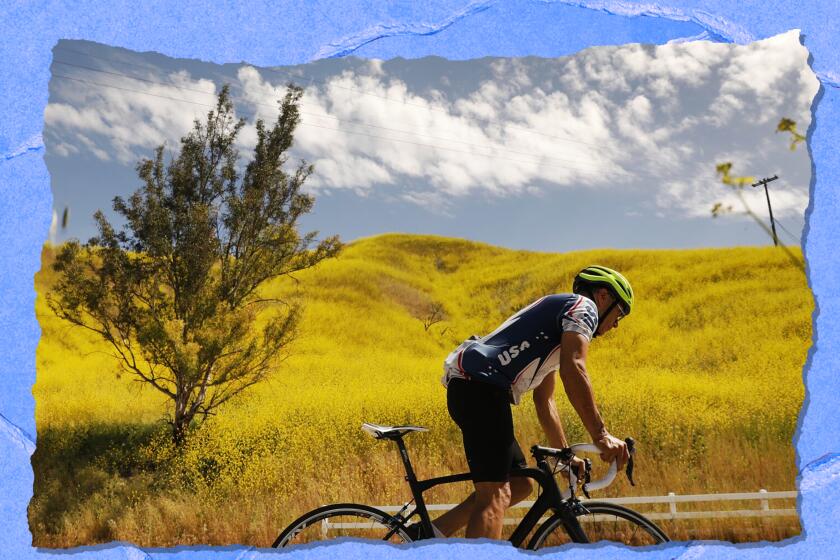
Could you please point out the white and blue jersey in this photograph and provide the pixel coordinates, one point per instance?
(526, 347)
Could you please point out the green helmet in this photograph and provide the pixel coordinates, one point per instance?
(601, 276)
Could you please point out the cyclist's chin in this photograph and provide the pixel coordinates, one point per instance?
(604, 331)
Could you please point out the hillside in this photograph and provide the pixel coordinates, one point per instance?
(712, 356)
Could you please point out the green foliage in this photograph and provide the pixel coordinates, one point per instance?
(788, 125)
(723, 170)
(175, 293)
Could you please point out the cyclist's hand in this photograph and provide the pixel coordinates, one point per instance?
(613, 448)
(579, 466)
(576, 463)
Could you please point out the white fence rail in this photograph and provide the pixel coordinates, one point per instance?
(763, 497)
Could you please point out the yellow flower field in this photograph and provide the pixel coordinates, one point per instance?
(706, 375)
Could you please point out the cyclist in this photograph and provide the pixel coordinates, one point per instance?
(484, 376)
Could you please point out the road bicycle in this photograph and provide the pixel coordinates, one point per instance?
(571, 520)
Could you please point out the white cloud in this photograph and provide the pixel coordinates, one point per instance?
(808, 85)
(495, 140)
(53, 227)
(512, 71)
(686, 63)
(723, 109)
(768, 71)
(360, 173)
(700, 188)
(631, 117)
(127, 120)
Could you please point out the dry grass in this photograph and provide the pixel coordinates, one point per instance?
(706, 375)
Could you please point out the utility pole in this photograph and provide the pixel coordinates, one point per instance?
(770, 208)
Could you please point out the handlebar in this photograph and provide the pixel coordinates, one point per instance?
(595, 484)
(578, 448)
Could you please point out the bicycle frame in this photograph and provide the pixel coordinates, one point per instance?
(548, 499)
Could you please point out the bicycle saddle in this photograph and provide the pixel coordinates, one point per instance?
(390, 432)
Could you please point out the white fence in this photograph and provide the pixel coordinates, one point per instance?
(763, 497)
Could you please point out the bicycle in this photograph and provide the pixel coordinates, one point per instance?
(601, 520)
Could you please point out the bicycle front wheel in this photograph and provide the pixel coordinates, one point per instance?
(601, 521)
(343, 521)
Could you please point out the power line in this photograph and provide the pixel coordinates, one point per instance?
(363, 92)
(131, 90)
(432, 109)
(318, 115)
(493, 156)
(182, 88)
(344, 131)
(304, 123)
(111, 60)
(793, 236)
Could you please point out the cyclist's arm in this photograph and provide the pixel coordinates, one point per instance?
(573, 350)
(547, 412)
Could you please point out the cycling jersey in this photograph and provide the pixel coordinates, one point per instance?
(526, 347)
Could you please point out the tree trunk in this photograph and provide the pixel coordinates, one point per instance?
(182, 419)
(179, 432)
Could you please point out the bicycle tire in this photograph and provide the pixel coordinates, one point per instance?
(338, 521)
(601, 521)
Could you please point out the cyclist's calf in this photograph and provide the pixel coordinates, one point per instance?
(520, 488)
(491, 501)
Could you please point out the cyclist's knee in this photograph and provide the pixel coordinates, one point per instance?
(492, 495)
(520, 488)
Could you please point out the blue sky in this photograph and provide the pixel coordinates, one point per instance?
(611, 147)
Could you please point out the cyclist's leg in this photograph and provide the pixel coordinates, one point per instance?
(492, 499)
(520, 486)
(459, 516)
(483, 414)
(488, 514)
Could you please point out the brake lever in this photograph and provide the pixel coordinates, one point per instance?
(631, 448)
(587, 477)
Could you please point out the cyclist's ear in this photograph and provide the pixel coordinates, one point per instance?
(602, 296)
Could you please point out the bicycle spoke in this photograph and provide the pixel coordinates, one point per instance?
(603, 522)
(342, 523)
(602, 525)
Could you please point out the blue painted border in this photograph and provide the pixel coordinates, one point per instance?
(266, 33)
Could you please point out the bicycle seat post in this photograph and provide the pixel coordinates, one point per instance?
(416, 492)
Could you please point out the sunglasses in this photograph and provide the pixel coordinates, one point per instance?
(622, 310)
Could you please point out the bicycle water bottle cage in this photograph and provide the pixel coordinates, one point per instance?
(390, 432)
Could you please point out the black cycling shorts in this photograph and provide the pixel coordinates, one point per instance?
(482, 411)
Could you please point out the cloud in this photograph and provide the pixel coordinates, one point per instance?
(53, 227)
(652, 120)
(499, 139)
(694, 193)
(767, 71)
(122, 119)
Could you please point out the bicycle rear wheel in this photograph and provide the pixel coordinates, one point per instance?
(601, 521)
(343, 521)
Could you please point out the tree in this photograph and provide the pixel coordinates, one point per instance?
(436, 313)
(176, 292)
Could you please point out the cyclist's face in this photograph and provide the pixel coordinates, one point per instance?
(613, 317)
